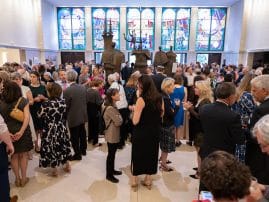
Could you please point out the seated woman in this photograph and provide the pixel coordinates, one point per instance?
(55, 141)
(225, 177)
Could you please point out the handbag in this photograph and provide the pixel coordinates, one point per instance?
(16, 113)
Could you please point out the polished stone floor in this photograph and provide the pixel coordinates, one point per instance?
(87, 180)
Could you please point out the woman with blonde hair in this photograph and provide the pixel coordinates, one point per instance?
(167, 138)
(205, 96)
(245, 104)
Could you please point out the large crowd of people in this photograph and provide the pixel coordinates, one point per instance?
(222, 111)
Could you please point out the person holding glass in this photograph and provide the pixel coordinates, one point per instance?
(167, 138)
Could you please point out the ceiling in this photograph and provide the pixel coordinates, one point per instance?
(142, 3)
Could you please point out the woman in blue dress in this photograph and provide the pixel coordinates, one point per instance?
(180, 93)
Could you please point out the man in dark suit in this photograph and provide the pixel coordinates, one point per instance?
(222, 127)
(76, 102)
(257, 161)
(158, 77)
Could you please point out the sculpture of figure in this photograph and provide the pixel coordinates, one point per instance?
(112, 59)
(171, 56)
(160, 58)
(141, 58)
(133, 39)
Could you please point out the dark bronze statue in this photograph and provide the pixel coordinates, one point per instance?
(111, 57)
(160, 58)
(171, 56)
(141, 58)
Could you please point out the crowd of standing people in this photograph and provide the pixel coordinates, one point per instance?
(214, 108)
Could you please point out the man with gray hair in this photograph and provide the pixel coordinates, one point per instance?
(255, 159)
(76, 103)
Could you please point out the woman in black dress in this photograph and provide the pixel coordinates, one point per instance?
(39, 95)
(147, 127)
(21, 135)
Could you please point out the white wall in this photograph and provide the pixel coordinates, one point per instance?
(9, 55)
(234, 27)
(257, 31)
(49, 26)
(19, 23)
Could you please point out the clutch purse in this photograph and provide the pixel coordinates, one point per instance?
(16, 113)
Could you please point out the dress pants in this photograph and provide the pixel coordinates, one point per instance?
(4, 182)
(110, 161)
(93, 129)
(78, 139)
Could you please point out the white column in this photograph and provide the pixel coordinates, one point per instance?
(191, 56)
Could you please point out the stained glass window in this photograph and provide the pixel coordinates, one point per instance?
(143, 32)
(71, 28)
(211, 29)
(99, 17)
(175, 28)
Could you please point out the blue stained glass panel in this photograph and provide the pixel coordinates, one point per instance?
(145, 16)
(175, 28)
(98, 21)
(210, 29)
(71, 28)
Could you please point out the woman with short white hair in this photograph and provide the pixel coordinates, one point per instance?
(167, 139)
(261, 131)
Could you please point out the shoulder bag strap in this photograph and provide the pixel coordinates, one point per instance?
(17, 104)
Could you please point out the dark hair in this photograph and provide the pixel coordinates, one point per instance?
(36, 74)
(109, 93)
(149, 91)
(54, 90)
(225, 90)
(228, 78)
(225, 176)
(11, 92)
(96, 82)
(197, 78)
(265, 70)
(178, 79)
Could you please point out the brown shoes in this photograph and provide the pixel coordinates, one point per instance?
(14, 198)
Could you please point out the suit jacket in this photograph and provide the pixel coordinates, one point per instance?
(158, 79)
(113, 121)
(222, 129)
(76, 105)
(257, 161)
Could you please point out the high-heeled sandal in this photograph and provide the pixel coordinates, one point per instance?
(18, 182)
(165, 168)
(134, 187)
(67, 168)
(24, 182)
(147, 185)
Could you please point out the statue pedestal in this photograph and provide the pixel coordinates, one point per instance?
(141, 58)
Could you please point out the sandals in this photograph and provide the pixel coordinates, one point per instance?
(24, 182)
(165, 168)
(18, 182)
(146, 184)
(67, 168)
(195, 176)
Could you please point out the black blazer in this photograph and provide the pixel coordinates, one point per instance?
(222, 129)
(257, 161)
(158, 79)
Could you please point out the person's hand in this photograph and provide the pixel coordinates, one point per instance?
(256, 190)
(131, 107)
(16, 136)
(137, 93)
(37, 99)
(177, 102)
(42, 97)
(10, 149)
(187, 105)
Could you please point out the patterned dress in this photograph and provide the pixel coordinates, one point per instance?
(55, 142)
